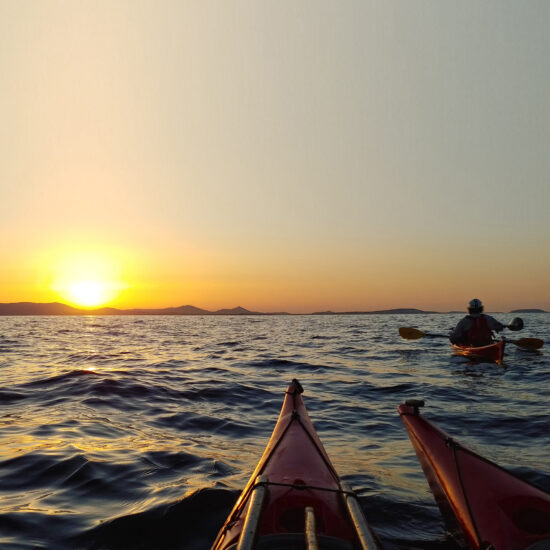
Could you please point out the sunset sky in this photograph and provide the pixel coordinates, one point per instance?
(278, 155)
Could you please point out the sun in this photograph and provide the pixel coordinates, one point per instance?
(88, 293)
(87, 279)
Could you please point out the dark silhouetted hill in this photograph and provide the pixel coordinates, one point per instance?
(31, 308)
(181, 310)
(236, 311)
(377, 312)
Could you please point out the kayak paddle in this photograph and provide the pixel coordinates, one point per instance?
(516, 324)
(414, 334)
(527, 343)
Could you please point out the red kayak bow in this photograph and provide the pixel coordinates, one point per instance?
(485, 506)
(295, 499)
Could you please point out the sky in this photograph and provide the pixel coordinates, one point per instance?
(278, 155)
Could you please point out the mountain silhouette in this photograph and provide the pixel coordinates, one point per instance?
(55, 308)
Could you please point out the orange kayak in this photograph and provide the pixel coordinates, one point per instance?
(295, 499)
(484, 506)
(493, 352)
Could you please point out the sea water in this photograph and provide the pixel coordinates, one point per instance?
(140, 432)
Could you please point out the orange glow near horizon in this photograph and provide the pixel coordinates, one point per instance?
(86, 279)
(87, 271)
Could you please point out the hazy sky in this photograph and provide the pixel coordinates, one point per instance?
(278, 155)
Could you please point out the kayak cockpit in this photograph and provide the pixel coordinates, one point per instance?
(303, 524)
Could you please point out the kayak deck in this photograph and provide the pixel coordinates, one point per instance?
(493, 352)
(484, 505)
(294, 498)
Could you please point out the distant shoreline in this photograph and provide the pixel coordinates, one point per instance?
(56, 308)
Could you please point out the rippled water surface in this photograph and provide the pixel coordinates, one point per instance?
(140, 432)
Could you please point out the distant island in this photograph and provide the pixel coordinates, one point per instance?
(401, 311)
(56, 308)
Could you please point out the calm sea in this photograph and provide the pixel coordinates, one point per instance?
(140, 432)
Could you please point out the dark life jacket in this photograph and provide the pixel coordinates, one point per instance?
(479, 334)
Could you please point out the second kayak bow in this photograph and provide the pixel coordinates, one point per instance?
(485, 506)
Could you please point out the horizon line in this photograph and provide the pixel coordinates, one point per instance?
(60, 308)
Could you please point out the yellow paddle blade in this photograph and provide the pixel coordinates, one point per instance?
(528, 343)
(410, 333)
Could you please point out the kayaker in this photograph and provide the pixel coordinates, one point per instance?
(476, 329)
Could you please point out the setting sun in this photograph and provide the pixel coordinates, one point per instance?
(87, 279)
(88, 293)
